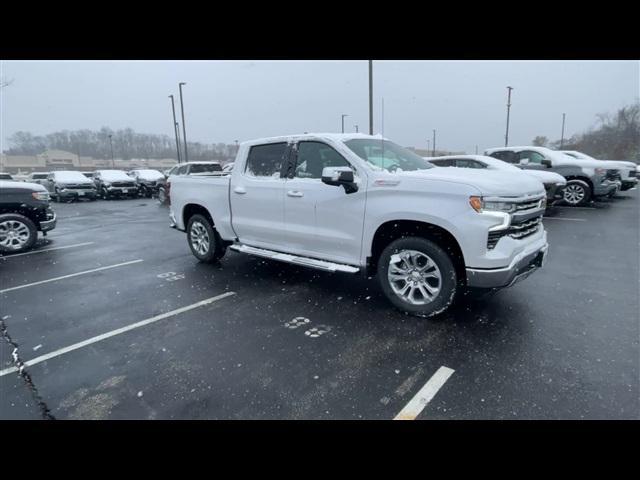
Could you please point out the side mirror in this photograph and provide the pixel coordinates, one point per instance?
(546, 162)
(524, 161)
(337, 176)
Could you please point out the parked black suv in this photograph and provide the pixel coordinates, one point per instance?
(24, 210)
(115, 183)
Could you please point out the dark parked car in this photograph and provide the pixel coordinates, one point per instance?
(189, 168)
(5, 176)
(70, 185)
(148, 181)
(24, 210)
(115, 183)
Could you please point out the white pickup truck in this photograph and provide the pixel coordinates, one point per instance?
(358, 203)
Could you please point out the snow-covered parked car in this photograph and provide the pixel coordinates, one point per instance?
(553, 182)
(148, 181)
(356, 203)
(70, 185)
(628, 170)
(115, 183)
(37, 177)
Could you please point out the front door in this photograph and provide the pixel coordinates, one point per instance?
(321, 220)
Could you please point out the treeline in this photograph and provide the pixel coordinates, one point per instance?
(614, 137)
(127, 144)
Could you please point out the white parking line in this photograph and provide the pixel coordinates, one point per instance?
(48, 250)
(425, 395)
(115, 332)
(69, 276)
(568, 219)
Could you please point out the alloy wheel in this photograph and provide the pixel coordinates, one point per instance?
(14, 234)
(414, 277)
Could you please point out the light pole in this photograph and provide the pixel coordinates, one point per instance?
(562, 136)
(433, 154)
(175, 129)
(113, 162)
(506, 136)
(184, 128)
(370, 97)
(343, 115)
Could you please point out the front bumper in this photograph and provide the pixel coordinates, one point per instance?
(78, 193)
(122, 190)
(605, 188)
(523, 265)
(49, 224)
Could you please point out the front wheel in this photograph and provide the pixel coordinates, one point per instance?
(162, 197)
(417, 276)
(17, 233)
(577, 193)
(204, 241)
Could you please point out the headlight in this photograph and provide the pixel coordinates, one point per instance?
(44, 196)
(479, 205)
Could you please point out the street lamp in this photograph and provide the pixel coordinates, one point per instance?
(113, 162)
(506, 136)
(562, 136)
(433, 154)
(175, 127)
(343, 115)
(184, 128)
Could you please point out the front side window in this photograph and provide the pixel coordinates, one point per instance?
(534, 157)
(313, 157)
(266, 160)
(182, 170)
(386, 155)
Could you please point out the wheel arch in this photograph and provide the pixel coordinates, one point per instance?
(391, 230)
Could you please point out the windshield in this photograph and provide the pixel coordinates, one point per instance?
(206, 168)
(39, 176)
(386, 155)
(115, 176)
(150, 174)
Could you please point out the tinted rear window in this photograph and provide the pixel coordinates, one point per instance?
(205, 168)
(266, 160)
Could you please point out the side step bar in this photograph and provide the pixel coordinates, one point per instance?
(304, 261)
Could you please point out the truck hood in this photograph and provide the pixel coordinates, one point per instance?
(33, 187)
(489, 182)
(546, 177)
(620, 164)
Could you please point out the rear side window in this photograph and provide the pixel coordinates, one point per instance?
(468, 163)
(447, 162)
(266, 160)
(205, 168)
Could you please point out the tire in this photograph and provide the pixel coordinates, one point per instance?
(204, 241)
(162, 197)
(25, 233)
(577, 193)
(105, 193)
(56, 196)
(440, 286)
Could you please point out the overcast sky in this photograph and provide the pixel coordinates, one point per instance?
(465, 101)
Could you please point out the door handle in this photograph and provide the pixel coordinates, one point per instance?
(240, 190)
(295, 193)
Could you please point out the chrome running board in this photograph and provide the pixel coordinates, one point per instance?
(288, 258)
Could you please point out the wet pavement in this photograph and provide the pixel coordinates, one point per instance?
(277, 341)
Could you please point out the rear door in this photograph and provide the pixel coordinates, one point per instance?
(256, 197)
(322, 220)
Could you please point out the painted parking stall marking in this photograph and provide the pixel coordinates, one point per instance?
(425, 395)
(115, 332)
(70, 276)
(48, 250)
(171, 276)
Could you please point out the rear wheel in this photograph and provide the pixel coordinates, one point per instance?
(17, 233)
(417, 276)
(204, 241)
(105, 193)
(577, 192)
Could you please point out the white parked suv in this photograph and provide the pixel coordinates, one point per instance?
(358, 203)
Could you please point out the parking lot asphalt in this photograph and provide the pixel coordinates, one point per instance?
(108, 308)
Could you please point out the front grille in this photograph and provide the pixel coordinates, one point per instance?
(78, 187)
(528, 205)
(123, 184)
(517, 230)
(633, 173)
